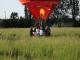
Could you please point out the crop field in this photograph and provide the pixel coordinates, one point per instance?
(16, 44)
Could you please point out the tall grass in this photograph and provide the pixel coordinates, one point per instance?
(63, 44)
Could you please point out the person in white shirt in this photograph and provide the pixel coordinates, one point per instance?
(37, 31)
(41, 31)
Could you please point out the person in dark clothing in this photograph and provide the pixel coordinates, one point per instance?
(31, 32)
(47, 31)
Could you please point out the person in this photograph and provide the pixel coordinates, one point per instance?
(37, 31)
(34, 31)
(41, 31)
(47, 31)
(31, 32)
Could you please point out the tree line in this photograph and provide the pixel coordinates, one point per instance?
(60, 17)
(15, 21)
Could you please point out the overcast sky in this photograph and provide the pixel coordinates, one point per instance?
(10, 6)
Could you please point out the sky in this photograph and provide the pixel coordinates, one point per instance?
(10, 6)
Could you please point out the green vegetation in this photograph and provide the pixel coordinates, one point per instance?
(63, 44)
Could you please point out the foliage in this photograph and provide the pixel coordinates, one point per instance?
(27, 13)
(16, 23)
(65, 8)
(14, 15)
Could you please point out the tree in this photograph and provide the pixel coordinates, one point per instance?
(75, 11)
(27, 13)
(66, 7)
(14, 15)
(60, 11)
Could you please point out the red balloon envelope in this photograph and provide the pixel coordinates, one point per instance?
(40, 8)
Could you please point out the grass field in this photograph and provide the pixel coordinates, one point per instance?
(63, 44)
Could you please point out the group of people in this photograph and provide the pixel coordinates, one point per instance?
(40, 30)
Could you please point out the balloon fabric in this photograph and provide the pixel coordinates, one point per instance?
(40, 8)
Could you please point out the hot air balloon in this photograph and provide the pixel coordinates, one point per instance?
(40, 8)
